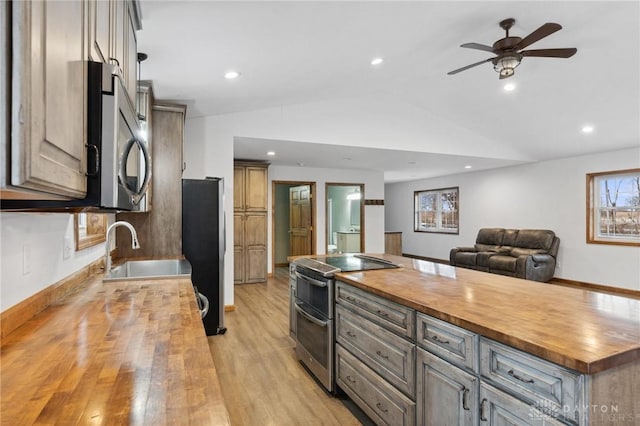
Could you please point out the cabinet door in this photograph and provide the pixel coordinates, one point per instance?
(130, 67)
(238, 248)
(256, 265)
(255, 189)
(99, 29)
(118, 41)
(238, 188)
(500, 409)
(49, 97)
(255, 244)
(446, 395)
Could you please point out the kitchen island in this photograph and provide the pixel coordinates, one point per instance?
(131, 352)
(560, 347)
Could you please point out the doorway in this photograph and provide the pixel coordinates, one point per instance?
(293, 220)
(345, 218)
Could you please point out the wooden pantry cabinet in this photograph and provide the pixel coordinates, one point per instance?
(250, 222)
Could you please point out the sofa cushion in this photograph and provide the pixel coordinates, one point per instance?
(466, 258)
(490, 236)
(516, 251)
(535, 239)
(482, 259)
(509, 238)
(501, 262)
(486, 247)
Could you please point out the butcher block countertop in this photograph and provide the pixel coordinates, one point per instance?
(132, 352)
(583, 330)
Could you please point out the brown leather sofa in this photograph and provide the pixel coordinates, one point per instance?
(525, 253)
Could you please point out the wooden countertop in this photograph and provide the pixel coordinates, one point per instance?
(582, 330)
(113, 353)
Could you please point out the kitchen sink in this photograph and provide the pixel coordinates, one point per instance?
(150, 269)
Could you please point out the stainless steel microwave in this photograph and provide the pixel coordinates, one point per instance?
(118, 160)
(116, 149)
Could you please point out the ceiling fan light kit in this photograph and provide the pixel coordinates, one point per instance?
(508, 50)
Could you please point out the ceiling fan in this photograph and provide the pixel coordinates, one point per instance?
(509, 51)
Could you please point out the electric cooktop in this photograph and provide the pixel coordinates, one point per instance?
(345, 263)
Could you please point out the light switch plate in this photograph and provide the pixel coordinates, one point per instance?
(67, 248)
(26, 259)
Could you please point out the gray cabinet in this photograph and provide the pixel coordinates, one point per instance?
(112, 38)
(46, 150)
(382, 402)
(390, 315)
(553, 389)
(45, 47)
(498, 408)
(376, 355)
(445, 395)
(383, 351)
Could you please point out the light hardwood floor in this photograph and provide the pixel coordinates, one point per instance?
(262, 381)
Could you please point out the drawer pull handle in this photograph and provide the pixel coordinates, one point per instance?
(522, 379)
(351, 379)
(482, 417)
(381, 355)
(350, 334)
(465, 392)
(351, 299)
(437, 339)
(379, 406)
(382, 313)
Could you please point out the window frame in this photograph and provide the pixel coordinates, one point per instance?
(592, 204)
(439, 229)
(94, 225)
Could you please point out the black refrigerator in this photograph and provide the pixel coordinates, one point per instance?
(203, 244)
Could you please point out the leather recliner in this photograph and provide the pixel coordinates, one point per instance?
(525, 253)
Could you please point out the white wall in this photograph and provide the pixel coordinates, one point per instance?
(43, 236)
(373, 189)
(549, 195)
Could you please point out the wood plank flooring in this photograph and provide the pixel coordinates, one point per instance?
(262, 382)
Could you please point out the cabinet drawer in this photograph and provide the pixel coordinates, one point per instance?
(381, 401)
(389, 355)
(450, 342)
(393, 316)
(547, 386)
(499, 408)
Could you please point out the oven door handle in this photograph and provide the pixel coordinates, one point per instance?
(311, 318)
(310, 280)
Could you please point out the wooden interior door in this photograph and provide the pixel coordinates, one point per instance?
(300, 219)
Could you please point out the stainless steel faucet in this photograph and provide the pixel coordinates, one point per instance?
(134, 242)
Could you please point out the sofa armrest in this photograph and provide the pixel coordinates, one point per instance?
(455, 250)
(536, 267)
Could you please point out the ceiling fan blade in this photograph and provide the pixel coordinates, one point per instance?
(542, 32)
(551, 53)
(478, 46)
(469, 66)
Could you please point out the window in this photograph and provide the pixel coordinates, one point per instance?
(613, 209)
(436, 210)
(90, 229)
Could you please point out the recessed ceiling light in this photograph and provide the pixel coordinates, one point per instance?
(271, 153)
(230, 75)
(510, 87)
(376, 61)
(467, 167)
(587, 129)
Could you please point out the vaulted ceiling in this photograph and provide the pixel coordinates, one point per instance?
(305, 52)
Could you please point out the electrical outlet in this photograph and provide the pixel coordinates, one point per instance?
(26, 259)
(67, 248)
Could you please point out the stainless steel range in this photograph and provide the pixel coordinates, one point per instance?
(312, 305)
